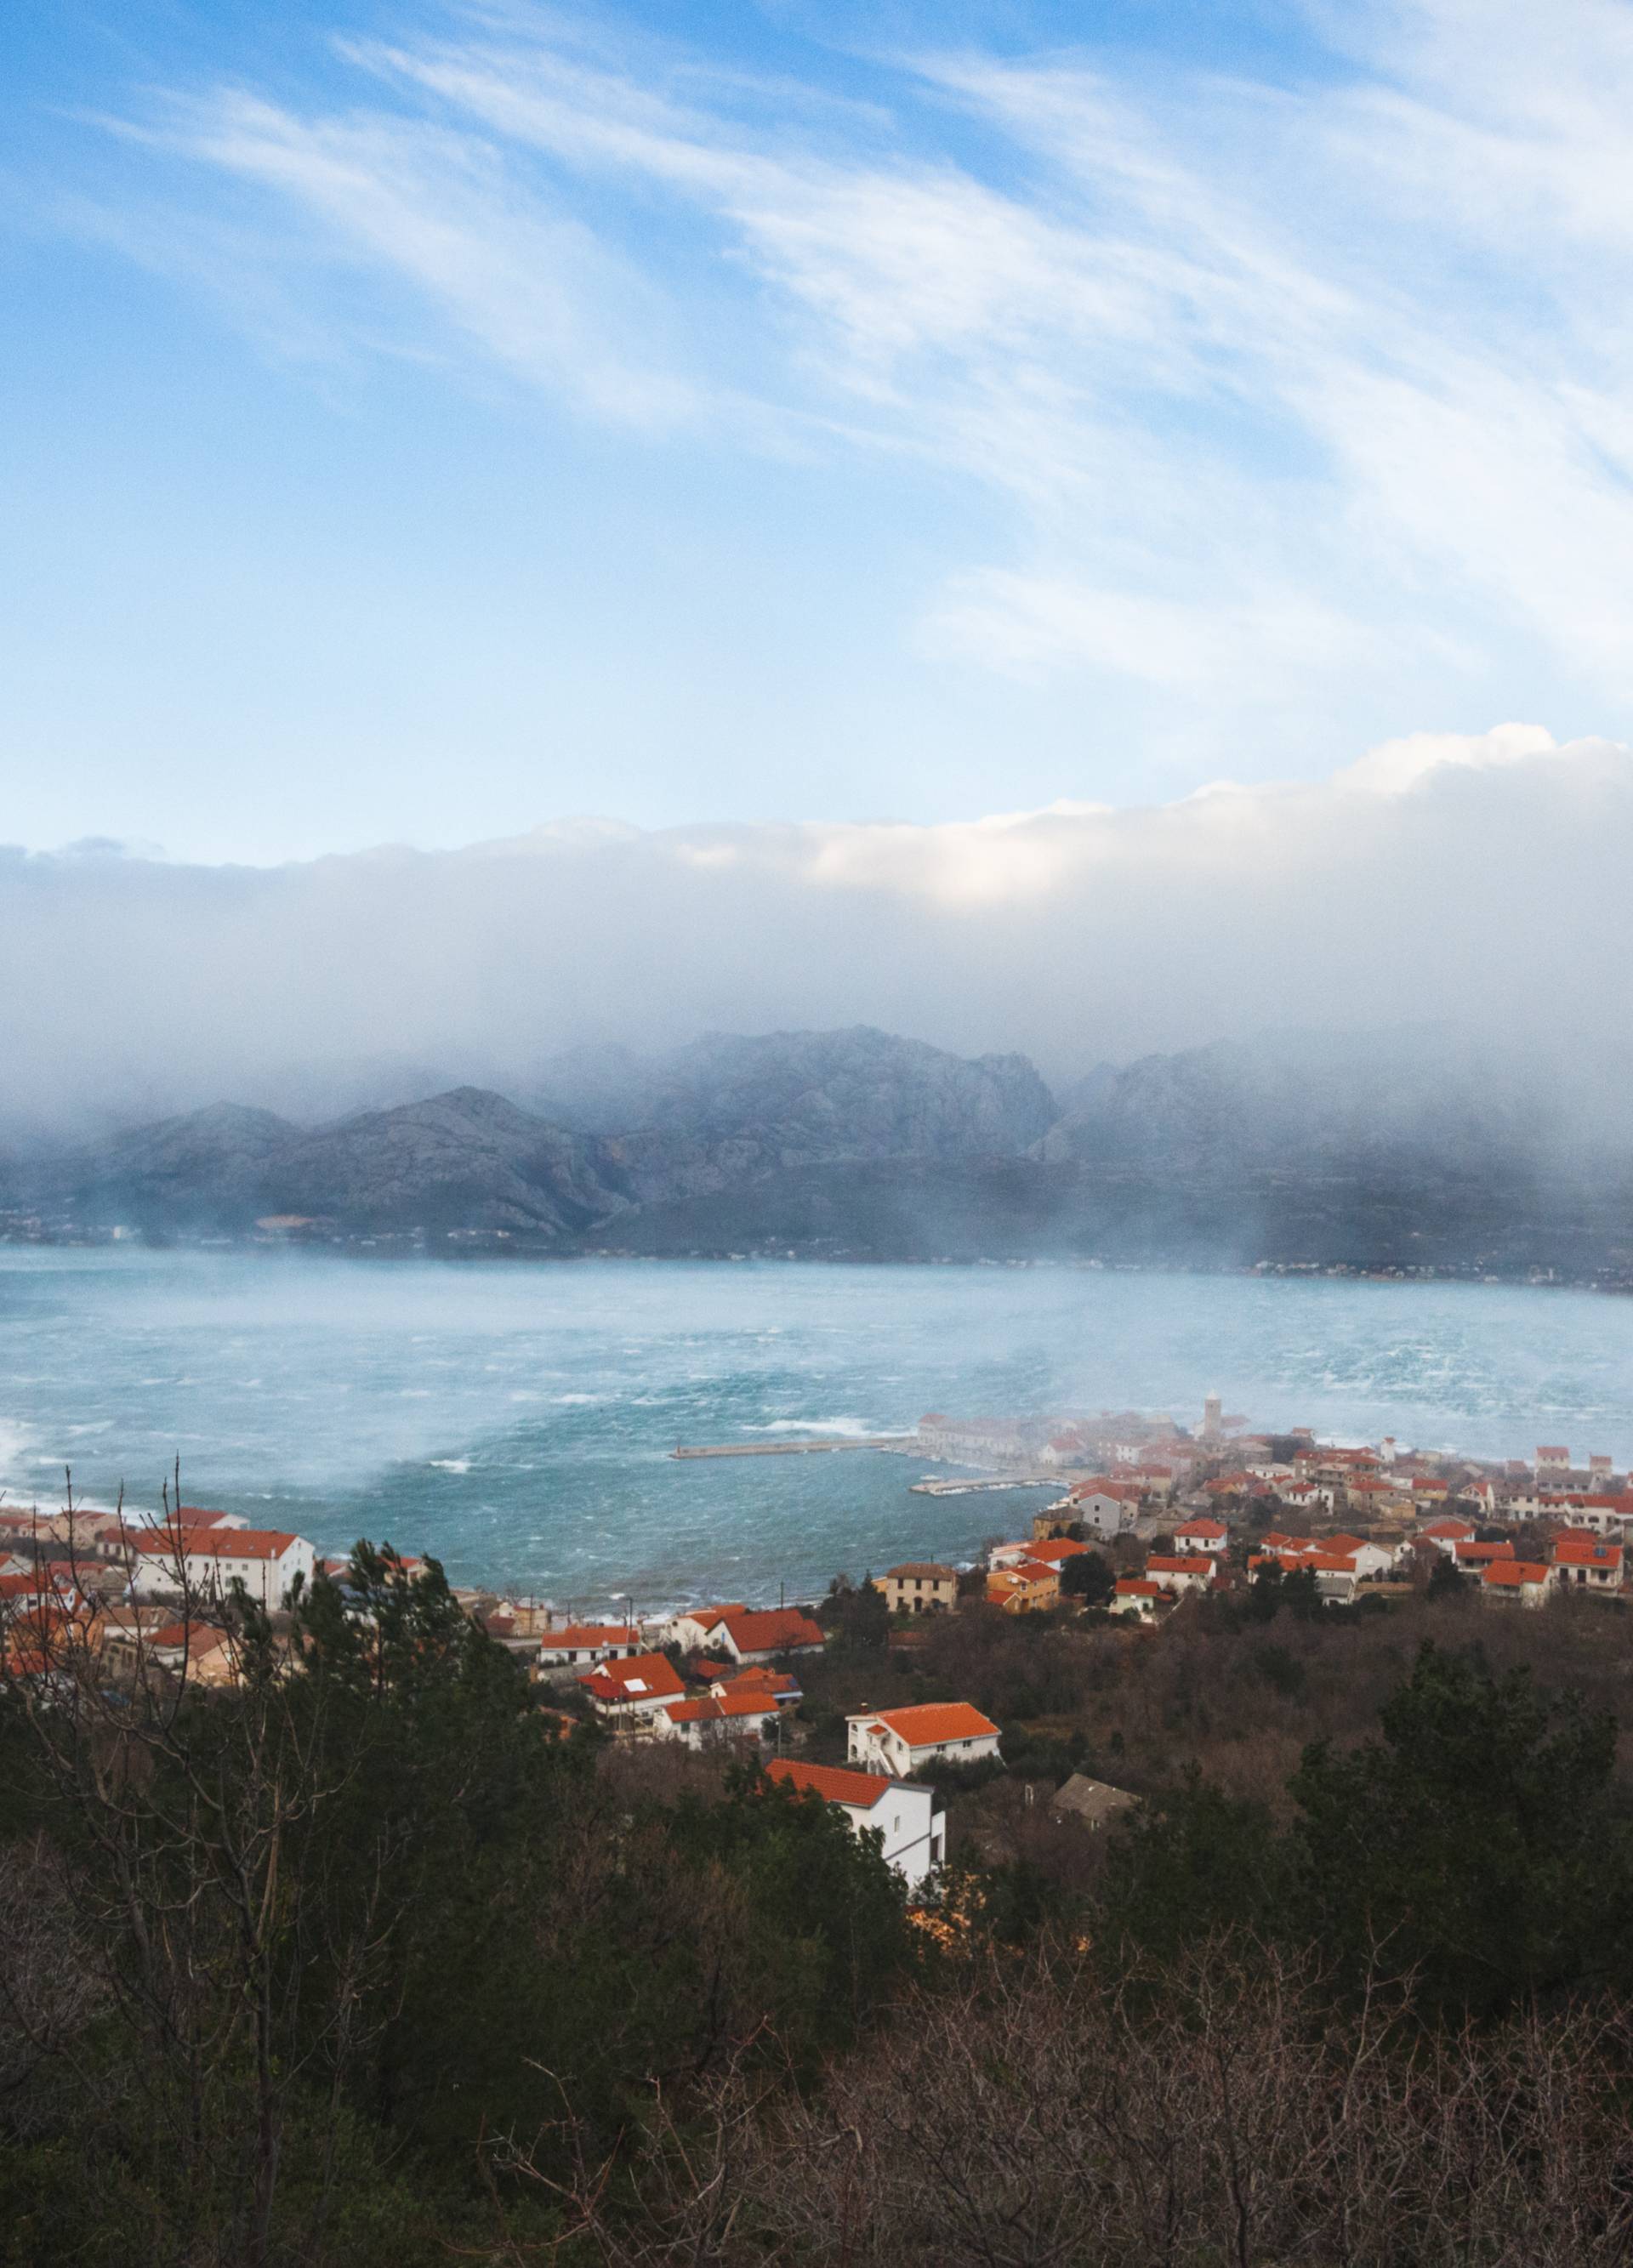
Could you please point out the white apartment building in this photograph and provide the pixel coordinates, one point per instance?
(912, 1832)
(208, 1561)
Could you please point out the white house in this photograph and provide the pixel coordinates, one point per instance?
(582, 1646)
(1605, 1516)
(1586, 1563)
(1054, 1553)
(1108, 1507)
(1516, 1582)
(1306, 1496)
(1445, 1535)
(631, 1692)
(748, 1637)
(1202, 1534)
(1180, 1573)
(901, 1741)
(706, 1720)
(689, 1629)
(1553, 1465)
(912, 1833)
(207, 1561)
(1136, 1595)
(1371, 1560)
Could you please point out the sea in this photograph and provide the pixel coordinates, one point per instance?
(517, 1419)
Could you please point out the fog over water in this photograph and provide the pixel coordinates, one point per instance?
(516, 1420)
(138, 988)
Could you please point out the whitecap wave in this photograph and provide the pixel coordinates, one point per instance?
(842, 1428)
(450, 1464)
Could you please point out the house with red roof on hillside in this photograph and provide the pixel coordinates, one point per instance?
(582, 1646)
(778, 1685)
(704, 1721)
(1137, 1595)
(1179, 1572)
(902, 1742)
(1516, 1582)
(1471, 1557)
(749, 1637)
(1027, 1586)
(630, 1692)
(1586, 1563)
(912, 1833)
(1108, 1506)
(1201, 1533)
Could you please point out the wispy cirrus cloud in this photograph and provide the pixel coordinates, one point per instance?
(1275, 387)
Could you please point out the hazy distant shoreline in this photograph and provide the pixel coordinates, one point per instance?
(465, 1253)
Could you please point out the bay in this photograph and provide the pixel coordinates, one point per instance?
(517, 1419)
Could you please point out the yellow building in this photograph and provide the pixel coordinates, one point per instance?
(1017, 1589)
(916, 1587)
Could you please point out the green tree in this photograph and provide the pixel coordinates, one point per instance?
(1475, 1845)
(1088, 1576)
(1445, 1579)
(1194, 1862)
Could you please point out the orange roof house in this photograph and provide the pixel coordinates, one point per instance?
(903, 1740)
(1525, 1581)
(749, 1637)
(633, 1688)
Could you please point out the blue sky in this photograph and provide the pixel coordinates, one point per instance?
(424, 423)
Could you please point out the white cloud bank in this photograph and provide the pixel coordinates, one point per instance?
(1479, 878)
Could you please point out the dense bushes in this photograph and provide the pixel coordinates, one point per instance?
(375, 1961)
(340, 1936)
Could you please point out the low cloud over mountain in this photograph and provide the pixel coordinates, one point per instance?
(1479, 879)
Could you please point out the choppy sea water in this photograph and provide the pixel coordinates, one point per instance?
(517, 1419)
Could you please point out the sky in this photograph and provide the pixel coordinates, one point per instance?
(425, 423)
(1079, 529)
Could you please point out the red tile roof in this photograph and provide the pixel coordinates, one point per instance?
(198, 1638)
(759, 1678)
(643, 1677)
(932, 1722)
(1510, 1573)
(1135, 1586)
(1181, 1563)
(1585, 1551)
(705, 1709)
(774, 1632)
(204, 1543)
(860, 1789)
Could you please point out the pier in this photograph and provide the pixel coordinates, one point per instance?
(797, 1448)
(981, 1487)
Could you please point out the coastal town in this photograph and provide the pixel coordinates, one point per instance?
(1147, 1522)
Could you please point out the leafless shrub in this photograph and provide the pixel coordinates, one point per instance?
(1039, 2118)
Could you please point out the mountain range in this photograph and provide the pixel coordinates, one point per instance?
(1387, 1150)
